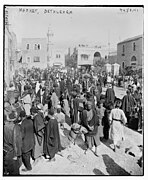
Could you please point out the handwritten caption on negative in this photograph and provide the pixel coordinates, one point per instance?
(128, 10)
(44, 11)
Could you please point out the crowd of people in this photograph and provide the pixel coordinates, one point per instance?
(40, 106)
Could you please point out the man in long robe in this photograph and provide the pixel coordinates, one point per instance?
(90, 121)
(69, 85)
(110, 94)
(12, 145)
(40, 94)
(52, 144)
(117, 119)
(26, 101)
(28, 141)
(62, 86)
(54, 100)
(37, 87)
(74, 107)
(60, 117)
(128, 104)
(38, 123)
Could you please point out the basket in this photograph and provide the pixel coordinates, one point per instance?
(73, 134)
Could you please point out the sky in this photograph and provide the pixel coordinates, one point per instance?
(81, 25)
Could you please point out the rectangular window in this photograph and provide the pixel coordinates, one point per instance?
(57, 55)
(134, 46)
(35, 47)
(28, 59)
(84, 57)
(36, 59)
(123, 49)
(39, 46)
(27, 46)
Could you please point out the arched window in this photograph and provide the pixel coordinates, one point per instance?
(133, 58)
(97, 54)
(133, 61)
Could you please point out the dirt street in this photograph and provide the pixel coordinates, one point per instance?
(76, 162)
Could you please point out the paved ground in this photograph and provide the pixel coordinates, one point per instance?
(75, 162)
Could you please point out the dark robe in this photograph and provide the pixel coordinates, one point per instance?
(12, 148)
(49, 103)
(39, 95)
(38, 127)
(75, 110)
(52, 142)
(93, 122)
(106, 124)
(128, 103)
(62, 86)
(45, 98)
(110, 95)
(92, 137)
(28, 135)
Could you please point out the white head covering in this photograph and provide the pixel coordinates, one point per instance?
(58, 106)
(40, 106)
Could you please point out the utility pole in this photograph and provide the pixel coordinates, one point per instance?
(49, 45)
(108, 43)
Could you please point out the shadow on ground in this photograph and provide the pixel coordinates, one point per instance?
(113, 168)
(81, 143)
(107, 142)
(98, 172)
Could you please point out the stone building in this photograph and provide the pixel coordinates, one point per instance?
(87, 56)
(58, 57)
(34, 52)
(130, 52)
(10, 56)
